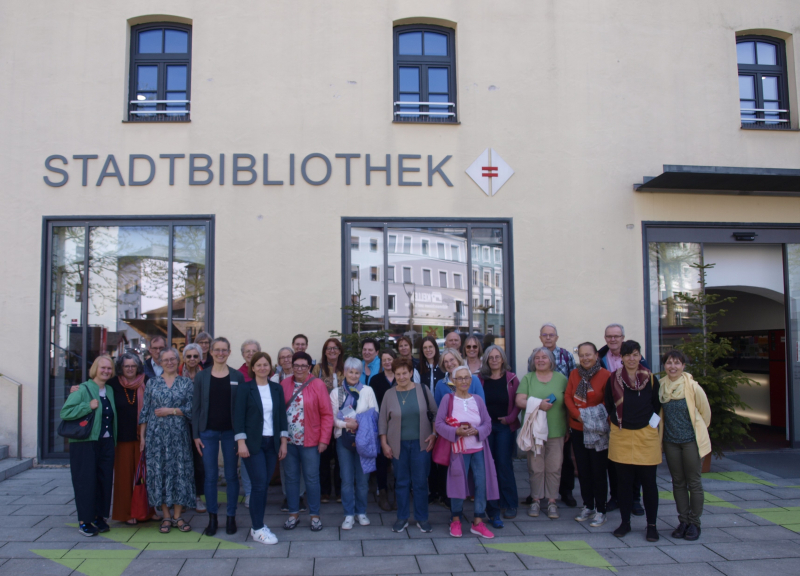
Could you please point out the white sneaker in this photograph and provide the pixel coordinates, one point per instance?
(534, 509)
(362, 519)
(348, 523)
(247, 501)
(599, 520)
(264, 536)
(585, 515)
(200, 506)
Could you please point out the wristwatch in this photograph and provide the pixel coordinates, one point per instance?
(174, 411)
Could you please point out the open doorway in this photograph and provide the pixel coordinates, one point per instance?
(755, 325)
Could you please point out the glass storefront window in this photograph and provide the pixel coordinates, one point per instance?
(438, 278)
(122, 301)
(671, 272)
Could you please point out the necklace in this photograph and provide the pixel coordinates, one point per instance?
(403, 399)
(130, 400)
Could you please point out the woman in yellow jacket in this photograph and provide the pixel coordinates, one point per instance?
(687, 415)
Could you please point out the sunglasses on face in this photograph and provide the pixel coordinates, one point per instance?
(192, 356)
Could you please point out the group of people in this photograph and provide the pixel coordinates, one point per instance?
(447, 423)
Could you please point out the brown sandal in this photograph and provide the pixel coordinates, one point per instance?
(166, 526)
(182, 527)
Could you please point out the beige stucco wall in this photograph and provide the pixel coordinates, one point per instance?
(582, 99)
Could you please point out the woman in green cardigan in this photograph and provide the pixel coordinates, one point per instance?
(92, 460)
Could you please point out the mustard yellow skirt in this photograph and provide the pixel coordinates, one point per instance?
(641, 447)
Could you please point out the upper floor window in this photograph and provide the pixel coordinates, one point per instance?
(424, 74)
(763, 88)
(160, 75)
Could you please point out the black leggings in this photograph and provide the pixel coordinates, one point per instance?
(627, 474)
(592, 467)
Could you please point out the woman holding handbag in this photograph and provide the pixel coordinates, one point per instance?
(91, 459)
(407, 438)
(464, 422)
(347, 400)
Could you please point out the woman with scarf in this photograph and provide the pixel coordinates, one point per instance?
(687, 415)
(191, 367)
(500, 386)
(348, 400)
(633, 405)
(586, 389)
(331, 371)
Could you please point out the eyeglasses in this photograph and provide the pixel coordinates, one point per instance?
(471, 347)
(462, 379)
(331, 349)
(170, 359)
(548, 335)
(300, 366)
(614, 337)
(191, 356)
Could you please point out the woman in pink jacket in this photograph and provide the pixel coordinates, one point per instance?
(308, 410)
(473, 429)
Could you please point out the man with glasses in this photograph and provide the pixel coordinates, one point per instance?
(565, 363)
(152, 367)
(610, 358)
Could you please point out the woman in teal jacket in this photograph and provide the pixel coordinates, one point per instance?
(92, 460)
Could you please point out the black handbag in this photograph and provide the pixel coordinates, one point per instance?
(348, 439)
(79, 429)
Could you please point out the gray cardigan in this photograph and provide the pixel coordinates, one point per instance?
(202, 386)
(390, 418)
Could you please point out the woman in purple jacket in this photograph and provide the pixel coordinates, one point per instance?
(500, 388)
(473, 429)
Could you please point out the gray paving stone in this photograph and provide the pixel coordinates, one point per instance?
(784, 567)
(686, 554)
(24, 534)
(407, 547)
(180, 554)
(751, 533)
(544, 566)
(460, 545)
(368, 566)
(49, 521)
(45, 510)
(495, 562)
(279, 550)
(23, 549)
(40, 567)
(46, 499)
(20, 521)
(550, 528)
(8, 499)
(783, 502)
(724, 521)
(7, 509)
(331, 549)
(707, 536)
(444, 563)
(276, 567)
(596, 541)
(697, 569)
(643, 556)
(376, 533)
(756, 551)
(782, 493)
(62, 534)
(215, 567)
(749, 494)
(161, 567)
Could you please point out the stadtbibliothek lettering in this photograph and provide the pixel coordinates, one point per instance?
(203, 169)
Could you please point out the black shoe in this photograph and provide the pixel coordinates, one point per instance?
(87, 529)
(692, 532)
(230, 525)
(303, 505)
(636, 508)
(652, 533)
(102, 525)
(569, 500)
(623, 529)
(612, 505)
(211, 529)
(285, 505)
(680, 531)
(528, 500)
(432, 498)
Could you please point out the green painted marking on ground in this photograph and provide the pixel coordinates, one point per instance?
(50, 554)
(788, 517)
(73, 564)
(113, 567)
(742, 477)
(572, 552)
(101, 554)
(710, 499)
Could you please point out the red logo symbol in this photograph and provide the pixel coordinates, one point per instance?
(84, 423)
(489, 172)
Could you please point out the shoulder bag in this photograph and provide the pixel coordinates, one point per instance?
(140, 507)
(348, 438)
(443, 446)
(79, 429)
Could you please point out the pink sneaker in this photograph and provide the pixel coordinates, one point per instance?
(455, 528)
(480, 530)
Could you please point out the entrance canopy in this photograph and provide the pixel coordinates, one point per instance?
(724, 180)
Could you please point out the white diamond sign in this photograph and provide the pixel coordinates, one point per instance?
(490, 172)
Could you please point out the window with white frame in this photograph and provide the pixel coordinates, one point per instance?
(392, 247)
(442, 279)
(426, 248)
(407, 244)
(406, 274)
(440, 249)
(373, 273)
(373, 244)
(374, 301)
(392, 302)
(497, 279)
(390, 274)
(426, 277)
(354, 243)
(487, 279)
(457, 282)
(455, 253)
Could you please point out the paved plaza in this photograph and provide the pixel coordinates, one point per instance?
(751, 527)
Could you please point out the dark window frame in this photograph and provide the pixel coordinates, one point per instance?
(48, 222)
(162, 60)
(780, 70)
(424, 62)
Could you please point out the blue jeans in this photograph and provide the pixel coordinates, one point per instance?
(411, 468)
(306, 459)
(247, 485)
(355, 484)
(502, 443)
(260, 467)
(212, 440)
(477, 463)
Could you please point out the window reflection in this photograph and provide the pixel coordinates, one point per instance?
(488, 318)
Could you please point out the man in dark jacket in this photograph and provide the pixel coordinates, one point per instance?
(152, 366)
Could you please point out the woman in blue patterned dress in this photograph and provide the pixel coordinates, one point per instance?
(164, 430)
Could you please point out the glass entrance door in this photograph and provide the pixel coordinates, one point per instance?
(791, 255)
